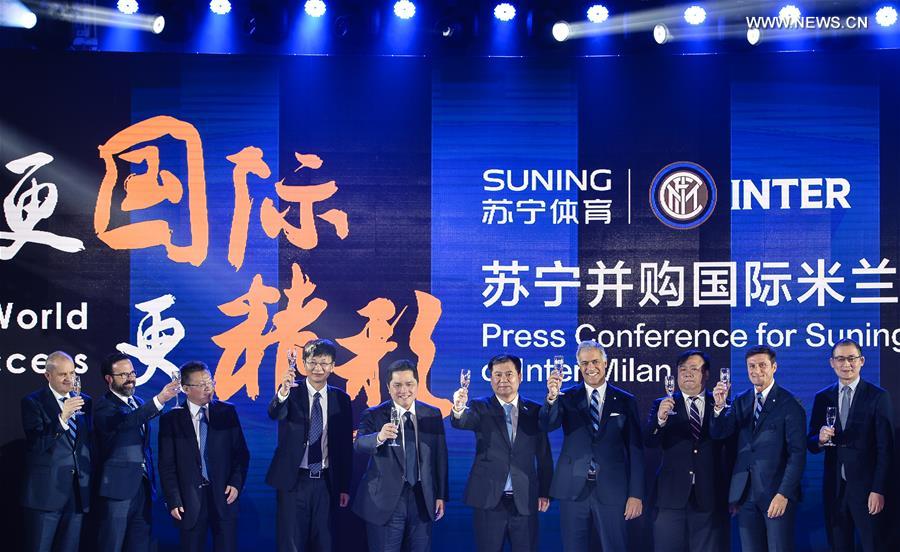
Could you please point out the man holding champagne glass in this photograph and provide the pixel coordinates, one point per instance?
(852, 423)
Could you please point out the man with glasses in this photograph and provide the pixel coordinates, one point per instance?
(510, 478)
(858, 445)
(127, 482)
(599, 479)
(203, 461)
(312, 464)
(765, 482)
(692, 480)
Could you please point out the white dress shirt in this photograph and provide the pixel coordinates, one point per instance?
(195, 418)
(323, 402)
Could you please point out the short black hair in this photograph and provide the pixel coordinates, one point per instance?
(504, 357)
(402, 366)
(107, 363)
(760, 350)
(847, 341)
(318, 347)
(682, 358)
(192, 367)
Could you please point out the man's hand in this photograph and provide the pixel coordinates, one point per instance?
(287, 382)
(825, 434)
(169, 391)
(438, 509)
(633, 508)
(176, 512)
(343, 500)
(70, 406)
(720, 393)
(388, 431)
(231, 494)
(460, 399)
(543, 504)
(665, 406)
(876, 503)
(777, 506)
(554, 382)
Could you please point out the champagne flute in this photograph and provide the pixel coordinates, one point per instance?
(725, 375)
(465, 378)
(670, 389)
(76, 392)
(292, 364)
(830, 419)
(395, 419)
(558, 363)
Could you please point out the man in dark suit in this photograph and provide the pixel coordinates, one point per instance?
(599, 478)
(203, 460)
(857, 466)
(57, 460)
(510, 478)
(312, 464)
(125, 462)
(770, 424)
(692, 481)
(405, 485)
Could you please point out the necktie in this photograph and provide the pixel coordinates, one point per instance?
(409, 445)
(509, 430)
(758, 410)
(595, 410)
(133, 405)
(845, 405)
(314, 460)
(72, 432)
(696, 422)
(204, 430)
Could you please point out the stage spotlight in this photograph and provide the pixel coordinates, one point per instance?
(314, 8)
(886, 16)
(597, 13)
(753, 36)
(220, 7)
(404, 9)
(505, 11)
(159, 23)
(14, 14)
(127, 7)
(790, 14)
(695, 15)
(661, 34)
(560, 31)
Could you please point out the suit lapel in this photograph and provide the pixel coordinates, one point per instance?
(187, 426)
(581, 403)
(768, 406)
(610, 401)
(499, 415)
(859, 396)
(53, 409)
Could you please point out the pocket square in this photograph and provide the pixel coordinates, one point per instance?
(611, 414)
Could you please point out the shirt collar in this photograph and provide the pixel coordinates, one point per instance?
(194, 409)
(852, 385)
(765, 392)
(123, 398)
(601, 389)
(57, 395)
(312, 390)
(514, 402)
(401, 411)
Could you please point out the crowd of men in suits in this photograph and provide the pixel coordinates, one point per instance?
(743, 456)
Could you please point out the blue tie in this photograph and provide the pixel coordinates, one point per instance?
(509, 430)
(72, 432)
(204, 430)
(696, 423)
(758, 410)
(595, 410)
(133, 406)
(314, 458)
(412, 455)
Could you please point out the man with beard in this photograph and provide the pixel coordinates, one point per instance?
(203, 461)
(599, 479)
(127, 481)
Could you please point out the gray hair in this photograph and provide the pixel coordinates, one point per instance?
(55, 358)
(590, 344)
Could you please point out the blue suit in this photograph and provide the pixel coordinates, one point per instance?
(771, 455)
(858, 465)
(125, 468)
(618, 452)
(57, 473)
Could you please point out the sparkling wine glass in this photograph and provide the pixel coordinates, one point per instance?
(558, 362)
(830, 419)
(395, 419)
(76, 392)
(465, 378)
(670, 389)
(292, 364)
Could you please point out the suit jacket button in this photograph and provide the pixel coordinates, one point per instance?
(696, 451)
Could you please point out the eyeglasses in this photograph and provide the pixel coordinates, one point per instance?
(322, 365)
(210, 384)
(125, 375)
(843, 359)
